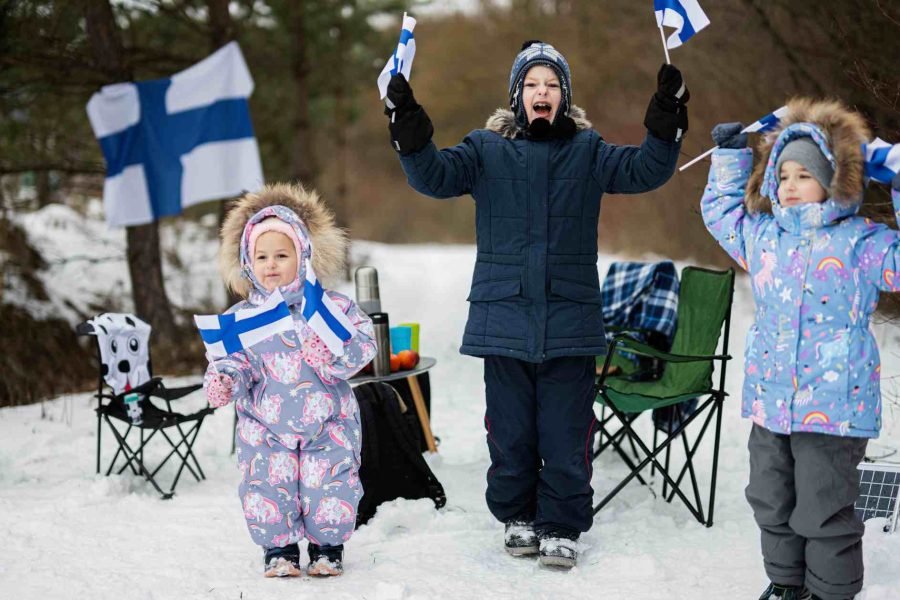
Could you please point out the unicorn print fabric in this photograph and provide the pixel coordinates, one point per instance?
(298, 434)
(811, 362)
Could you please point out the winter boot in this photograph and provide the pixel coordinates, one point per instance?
(325, 561)
(558, 549)
(776, 591)
(519, 538)
(282, 562)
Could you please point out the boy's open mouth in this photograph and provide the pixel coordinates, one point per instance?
(542, 110)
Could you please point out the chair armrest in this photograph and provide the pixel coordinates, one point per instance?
(175, 393)
(623, 342)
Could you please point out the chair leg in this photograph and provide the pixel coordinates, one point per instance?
(615, 442)
(132, 459)
(719, 406)
(651, 457)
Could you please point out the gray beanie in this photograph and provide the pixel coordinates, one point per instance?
(806, 152)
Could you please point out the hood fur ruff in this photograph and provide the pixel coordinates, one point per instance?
(503, 121)
(845, 130)
(329, 242)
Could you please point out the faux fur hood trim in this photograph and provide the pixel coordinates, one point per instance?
(845, 131)
(503, 122)
(329, 242)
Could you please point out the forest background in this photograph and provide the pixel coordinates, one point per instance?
(319, 121)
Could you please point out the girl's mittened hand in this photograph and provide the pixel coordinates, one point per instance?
(219, 390)
(728, 135)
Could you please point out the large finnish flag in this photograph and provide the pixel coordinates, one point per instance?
(170, 143)
(225, 334)
(685, 16)
(402, 59)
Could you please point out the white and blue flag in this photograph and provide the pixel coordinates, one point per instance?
(770, 121)
(171, 143)
(685, 16)
(324, 316)
(226, 334)
(402, 59)
(882, 160)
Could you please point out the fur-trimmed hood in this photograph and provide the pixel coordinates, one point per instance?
(315, 227)
(503, 122)
(839, 133)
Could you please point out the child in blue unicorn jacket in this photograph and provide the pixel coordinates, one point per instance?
(811, 385)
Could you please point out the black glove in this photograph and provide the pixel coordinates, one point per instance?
(410, 127)
(667, 116)
(728, 135)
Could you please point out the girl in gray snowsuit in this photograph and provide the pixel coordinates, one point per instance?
(298, 433)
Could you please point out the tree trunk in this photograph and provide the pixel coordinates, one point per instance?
(302, 166)
(222, 31)
(341, 201)
(144, 260)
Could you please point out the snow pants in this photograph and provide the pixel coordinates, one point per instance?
(539, 421)
(802, 490)
(303, 485)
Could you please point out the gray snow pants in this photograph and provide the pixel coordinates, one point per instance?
(802, 490)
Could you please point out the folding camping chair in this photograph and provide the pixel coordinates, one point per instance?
(704, 308)
(125, 390)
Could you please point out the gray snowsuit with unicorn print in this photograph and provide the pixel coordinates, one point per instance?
(298, 433)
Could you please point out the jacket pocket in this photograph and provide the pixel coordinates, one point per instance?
(574, 314)
(486, 291)
(497, 309)
(575, 291)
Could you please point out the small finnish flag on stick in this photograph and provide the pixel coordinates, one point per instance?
(324, 316)
(402, 59)
(225, 334)
(770, 121)
(685, 16)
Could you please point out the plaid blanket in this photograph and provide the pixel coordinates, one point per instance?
(641, 296)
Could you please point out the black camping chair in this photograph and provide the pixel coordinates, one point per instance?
(140, 409)
(704, 316)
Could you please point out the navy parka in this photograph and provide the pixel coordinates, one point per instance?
(535, 292)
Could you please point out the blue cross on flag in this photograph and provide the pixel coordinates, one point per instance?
(324, 316)
(171, 143)
(685, 16)
(882, 160)
(770, 121)
(402, 59)
(225, 334)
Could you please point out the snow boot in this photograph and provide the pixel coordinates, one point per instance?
(325, 561)
(558, 549)
(282, 562)
(777, 591)
(519, 538)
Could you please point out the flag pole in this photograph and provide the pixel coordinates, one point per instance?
(662, 36)
(699, 158)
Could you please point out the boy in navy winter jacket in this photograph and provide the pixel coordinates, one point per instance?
(537, 172)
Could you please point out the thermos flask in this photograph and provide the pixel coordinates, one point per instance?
(367, 295)
(381, 364)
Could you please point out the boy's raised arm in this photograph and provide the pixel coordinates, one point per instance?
(637, 169)
(440, 174)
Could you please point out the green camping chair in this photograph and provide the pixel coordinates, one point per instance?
(704, 308)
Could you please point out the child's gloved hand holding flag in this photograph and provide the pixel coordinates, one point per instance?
(402, 58)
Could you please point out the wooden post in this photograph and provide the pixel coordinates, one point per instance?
(419, 401)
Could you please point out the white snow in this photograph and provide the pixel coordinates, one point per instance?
(69, 533)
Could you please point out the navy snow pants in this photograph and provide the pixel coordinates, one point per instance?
(539, 422)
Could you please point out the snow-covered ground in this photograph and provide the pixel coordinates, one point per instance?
(68, 533)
